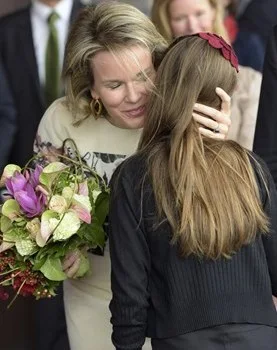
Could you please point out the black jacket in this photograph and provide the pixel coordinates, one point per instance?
(259, 17)
(158, 294)
(7, 118)
(265, 141)
(18, 55)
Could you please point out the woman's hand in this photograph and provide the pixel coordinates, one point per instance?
(216, 123)
(274, 301)
(71, 263)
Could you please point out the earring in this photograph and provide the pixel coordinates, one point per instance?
(96, 107)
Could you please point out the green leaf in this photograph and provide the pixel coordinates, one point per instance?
(20, 222)
(102, 207)
(38, 263)
(8, 172)
(93, 235)
(11, 209)
(14, 234)
(50, 172)
(5, 224)
(54, 168)
(52, 269)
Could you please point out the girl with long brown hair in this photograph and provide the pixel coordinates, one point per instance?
(193, 226)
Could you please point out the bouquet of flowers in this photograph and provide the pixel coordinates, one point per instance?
(53, 210)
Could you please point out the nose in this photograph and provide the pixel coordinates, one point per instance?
(192, 24)
(133, 93)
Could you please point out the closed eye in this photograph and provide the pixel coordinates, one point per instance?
(114, 85)
(180, 18)
(200, 13)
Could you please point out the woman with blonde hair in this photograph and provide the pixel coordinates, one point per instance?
(194, 259)
(174, 18)
(110, 60)
(171, 21)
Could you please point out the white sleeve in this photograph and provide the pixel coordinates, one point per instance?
(52, 130)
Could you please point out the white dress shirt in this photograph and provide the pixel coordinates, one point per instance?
(40, 30)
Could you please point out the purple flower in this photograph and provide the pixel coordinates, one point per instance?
(31, 203)
(22, 188)
(16, 183)
(35, 174)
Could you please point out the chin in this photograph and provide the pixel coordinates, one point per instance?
(136, 123)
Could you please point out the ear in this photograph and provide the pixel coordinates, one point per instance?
(94, 94)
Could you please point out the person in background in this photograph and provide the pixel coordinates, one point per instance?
(110, 60)
(230, 22)
(259, 17)
(265, 141)
(7, 118)
(32, 42)
(32, 45)
(248, 45)
(242, 5)
(143, 5)
(194, 256)
(174, 18)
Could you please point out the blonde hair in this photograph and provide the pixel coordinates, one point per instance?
(205, 188)
(161, 18)
(109, 26)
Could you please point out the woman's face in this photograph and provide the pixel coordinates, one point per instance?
(190, 16)
(121, 82)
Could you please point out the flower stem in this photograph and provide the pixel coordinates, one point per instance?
(17, 294)
(5, 273)
(9, 279)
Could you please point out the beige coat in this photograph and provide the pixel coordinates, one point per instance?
(245, 102)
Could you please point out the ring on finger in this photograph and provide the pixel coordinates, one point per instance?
(216, 130)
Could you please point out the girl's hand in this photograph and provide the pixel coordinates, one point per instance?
(216, 123)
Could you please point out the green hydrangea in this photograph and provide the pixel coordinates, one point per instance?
(64, 229)
(26, 247)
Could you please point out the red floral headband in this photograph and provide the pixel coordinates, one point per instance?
(218, 42)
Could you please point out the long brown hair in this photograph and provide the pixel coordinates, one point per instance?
(205, 188)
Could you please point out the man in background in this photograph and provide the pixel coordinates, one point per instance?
(7, 118)
(32, 42)
(265, 142)
(259, 17)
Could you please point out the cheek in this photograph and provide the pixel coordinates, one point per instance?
(111, 99)
(207, 23)
(178, 28)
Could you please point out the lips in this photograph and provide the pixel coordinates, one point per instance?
(135, 113)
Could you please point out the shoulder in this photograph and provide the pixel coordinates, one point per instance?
(57, 113)
(131, 171)
(262, 173)
(55, 120)
(9, 21)
(249, 79)
(246, 73)
(77, 7)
